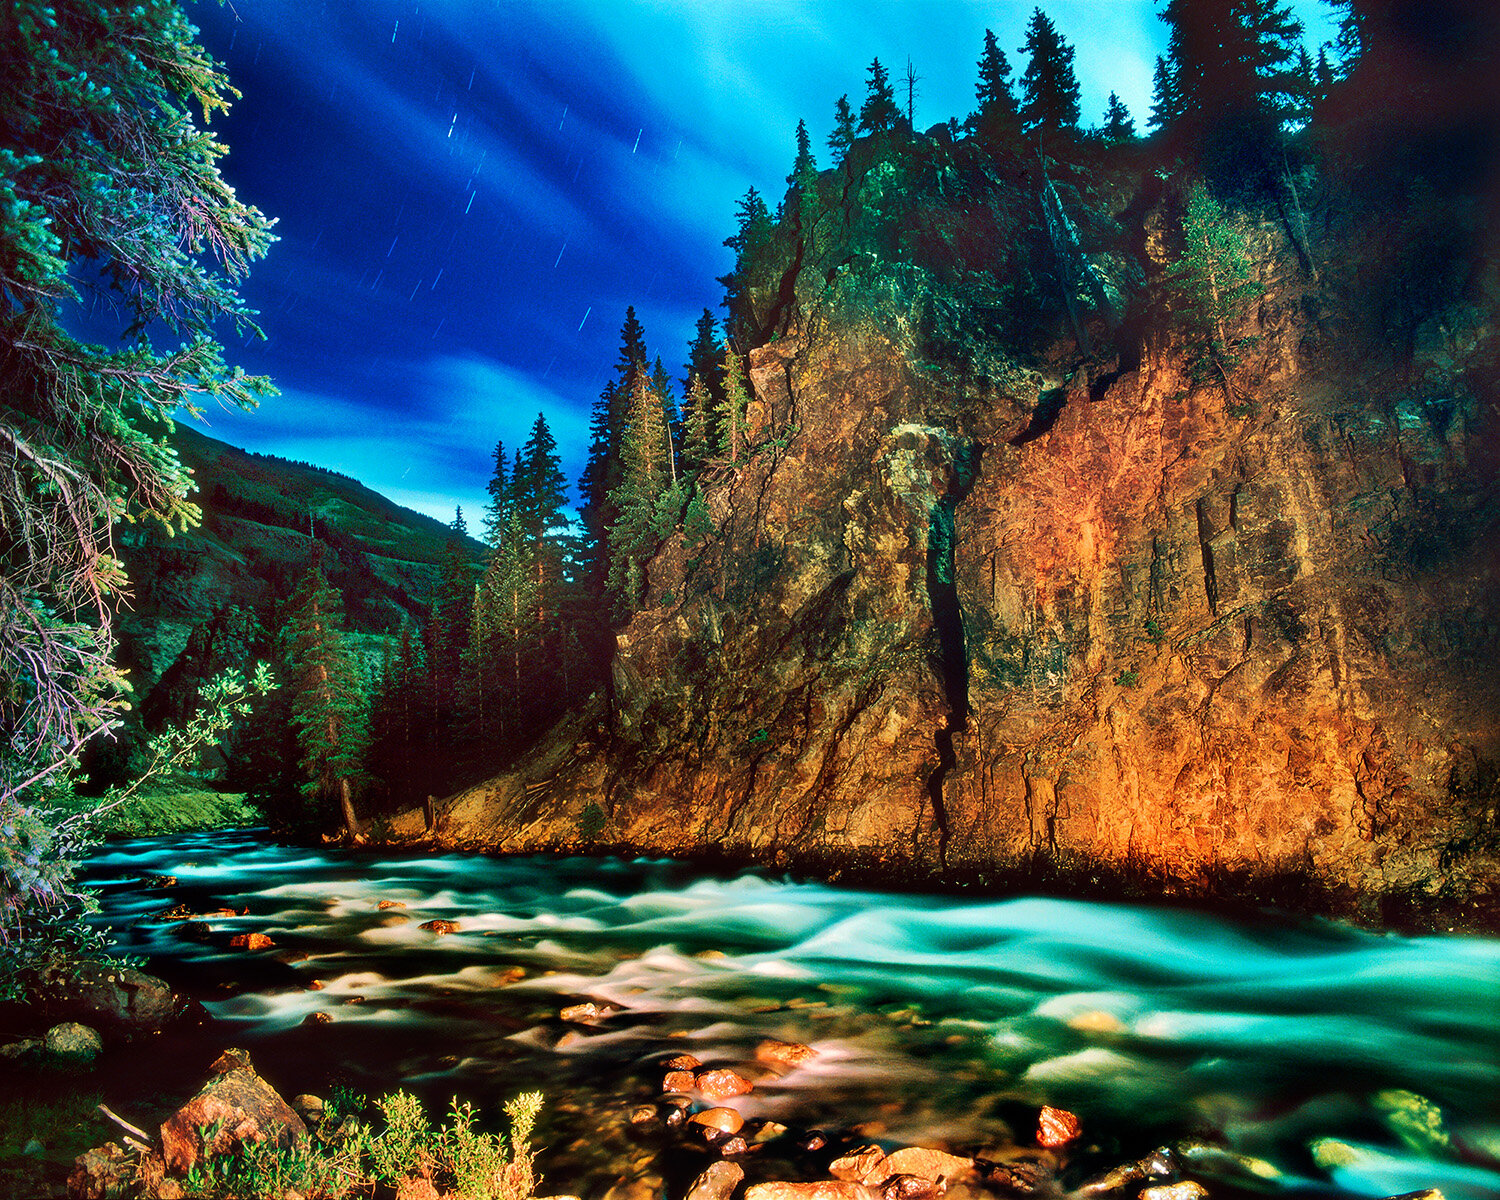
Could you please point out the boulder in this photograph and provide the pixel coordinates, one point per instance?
(718, 1121)
(439, 927)
(588, 1013)
(865, 1165)
(783, 1056)
(250, 941)
(912, 1187)
(241, 1105)
(826, 1189)
(678, 1081)
(928, 1164)
(73, 1043)
(721, 1083)
(682, 1062)
(117, 1001)
(101, 1172)
(716, 1183)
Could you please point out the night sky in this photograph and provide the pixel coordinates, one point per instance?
(470, 192)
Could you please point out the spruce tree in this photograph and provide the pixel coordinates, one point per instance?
(995, 116)
(1233, 68)
(400, 720)
(1117, 127)
(458, 524)
(732, 414)
(1214, 278)
(661, 388)
(1049, 88)
(497, 507)
(752, 235)
(538, 490)
(109, 188)
(845, 130)
(506, 615)
(697, 443)
(1166, 100)
(329, 707)
(878, 114)
(803, 165)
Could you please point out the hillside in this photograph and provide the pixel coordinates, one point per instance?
(209, 598)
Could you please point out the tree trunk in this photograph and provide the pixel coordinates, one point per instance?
(346, 805)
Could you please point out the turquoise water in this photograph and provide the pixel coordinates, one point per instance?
(1334, 1058)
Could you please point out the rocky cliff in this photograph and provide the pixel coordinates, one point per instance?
(1094, 618)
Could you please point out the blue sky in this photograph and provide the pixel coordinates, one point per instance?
(470, 192)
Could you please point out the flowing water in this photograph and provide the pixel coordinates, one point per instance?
(1340, 1060)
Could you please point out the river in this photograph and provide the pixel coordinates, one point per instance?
(1338, 1060)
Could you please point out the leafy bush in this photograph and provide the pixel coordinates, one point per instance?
(348, 1157)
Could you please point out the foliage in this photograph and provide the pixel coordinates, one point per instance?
(41, 912)
(350, 1157)
(1049, 88)
(104, 178)
(1213, 279)
(996, 115)
(329, 707)
(878, 114)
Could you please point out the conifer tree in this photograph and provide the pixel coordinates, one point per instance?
(506, 612)
(732, 415)
(1166, 101)
(108, 187)
(400, 719)
(458, 524)
(803, 165)
(845, 130)
(329, 708)
(878, 114)
(1213, 279)
(1049, 88)
(753, 233)
(661, 388)
(497, 507)
(449, 629)
(1117, 127)
(538, 490)
(995, 116)
(1233, 68)
(697, 444)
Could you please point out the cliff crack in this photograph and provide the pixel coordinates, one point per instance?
(948, 622)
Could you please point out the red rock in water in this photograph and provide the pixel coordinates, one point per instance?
(1056, 1127)
(865, 1165)
(677, 1081)
(783, 1055)
(242, 1106)
(828, 1189)
(719, 1120)
(928, 1164)
(439, 927)
(912, 1187)
(683, 1062)
(722, 1083)
(391, 904)
(716, 1183)
(250, 941)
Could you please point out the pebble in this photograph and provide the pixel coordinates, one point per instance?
(722, 1083)
(720, 1120)
(928, 1164)
(865, 1165)
(1187, 1189)
(716, 1183)
(1056, 1127)
(250, 941)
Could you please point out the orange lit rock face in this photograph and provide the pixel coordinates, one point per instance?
(1201, 642)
